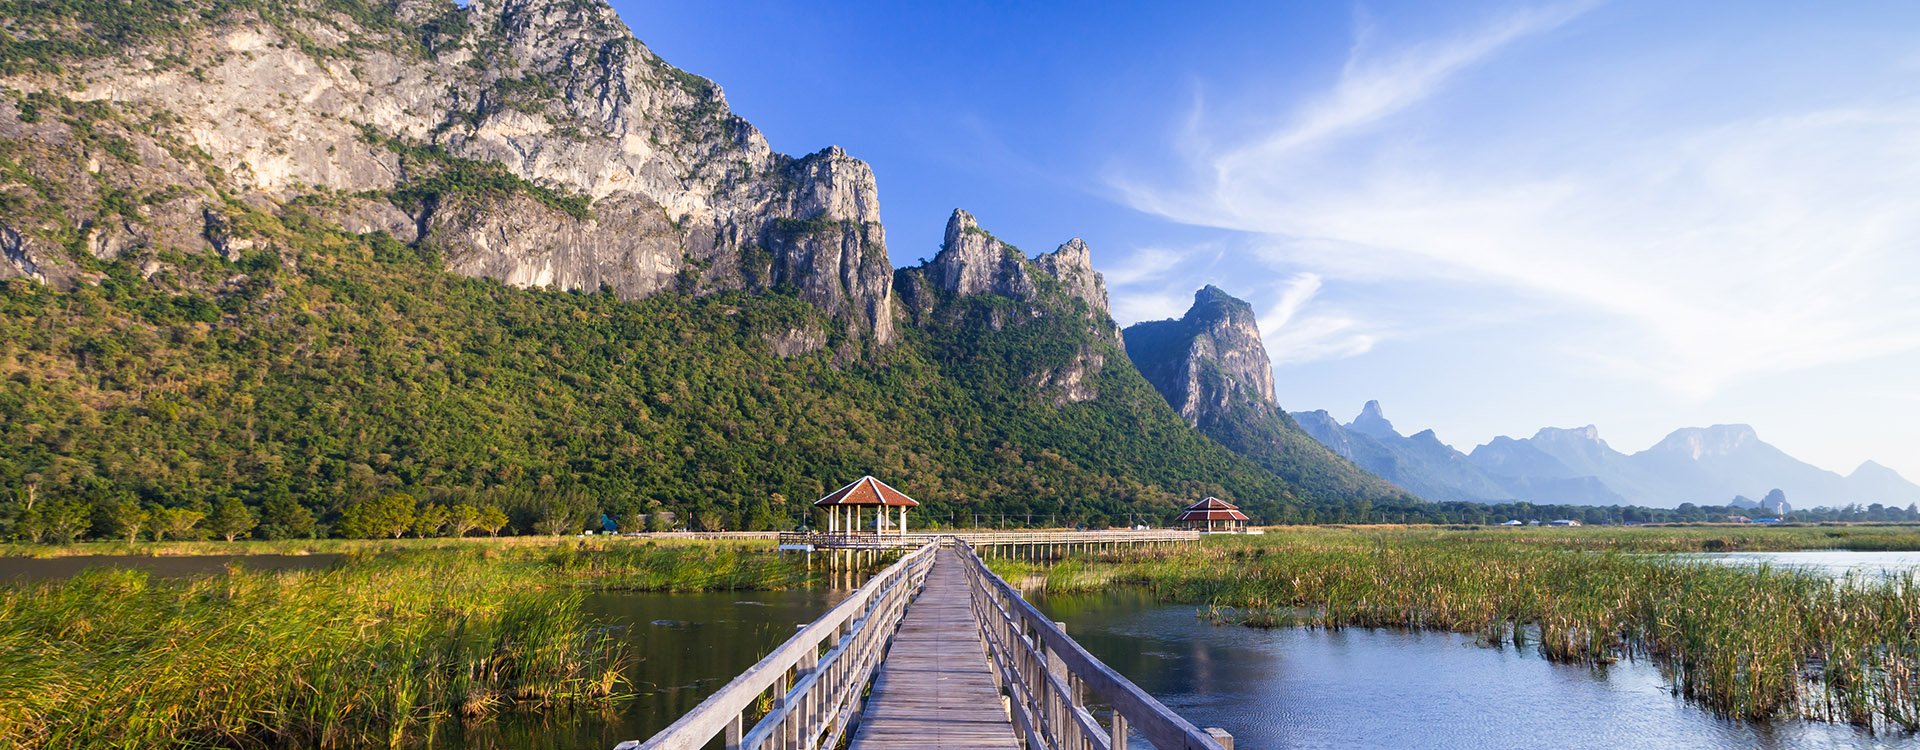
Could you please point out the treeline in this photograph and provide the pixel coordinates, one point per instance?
(326, 370)
(1496, 513)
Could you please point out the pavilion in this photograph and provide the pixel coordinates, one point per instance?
(1210, 512)
(844, 505)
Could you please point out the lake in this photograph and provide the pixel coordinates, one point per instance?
(1830, 563)
(1358, 688)
(686, 647)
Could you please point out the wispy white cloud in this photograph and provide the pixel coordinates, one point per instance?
(1375, 86)
(1144, 265)
(1751, 244)
(1296, 331)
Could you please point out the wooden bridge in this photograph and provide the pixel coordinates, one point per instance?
(936, 651)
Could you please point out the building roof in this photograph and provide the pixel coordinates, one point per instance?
(1212, 509)
(867, 491)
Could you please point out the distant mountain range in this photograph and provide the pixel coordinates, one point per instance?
(1700, 465)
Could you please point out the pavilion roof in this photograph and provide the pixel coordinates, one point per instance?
(867, 491)
(1212, 509)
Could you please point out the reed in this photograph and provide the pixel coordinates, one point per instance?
(1754, 643)
(376, 651)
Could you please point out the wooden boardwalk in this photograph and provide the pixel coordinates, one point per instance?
(935, 689)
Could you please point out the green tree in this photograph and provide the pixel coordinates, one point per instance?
(429, 520)
(492, 519)
(231, 518)
(66, 520)
(179, 523)
(123, 516)
(659, 521)
(462, 518)
(282, 518)
(386, 516)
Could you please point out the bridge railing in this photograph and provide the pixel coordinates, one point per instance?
(857, 540)
(816, 678)
(1047, 677)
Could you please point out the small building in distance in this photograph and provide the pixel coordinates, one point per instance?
(845, 506)
(1566, 522)
(1213, 514)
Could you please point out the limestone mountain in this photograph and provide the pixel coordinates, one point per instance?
(1702, 466)
(1420, 463)
(484, 132)
(1212, 367)
(322, 249)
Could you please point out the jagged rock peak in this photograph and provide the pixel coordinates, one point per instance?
(1072, 265)
(637, 176)
(1209, 359)
(973, 261)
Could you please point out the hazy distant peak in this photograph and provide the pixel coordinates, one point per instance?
(1373, 421)
(1700, 442)
(1589, 433)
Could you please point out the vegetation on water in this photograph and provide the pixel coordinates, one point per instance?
(1760, 642)
(380, 649)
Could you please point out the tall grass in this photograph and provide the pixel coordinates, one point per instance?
(377, 651)
(1755, 643)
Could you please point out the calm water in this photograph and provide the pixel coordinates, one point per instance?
(687, 646)
(1831, 563)
(1355, 688)
(29, 569)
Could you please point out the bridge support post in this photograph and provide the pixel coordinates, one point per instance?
(1220, 735)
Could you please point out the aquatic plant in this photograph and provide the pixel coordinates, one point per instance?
(1751, 642)
(375, 651)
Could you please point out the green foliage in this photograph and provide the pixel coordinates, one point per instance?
(177, 523)
(386, 516)
(282, 518)
(433, 175)
(373, 653)
(231, 519)
(40, 36)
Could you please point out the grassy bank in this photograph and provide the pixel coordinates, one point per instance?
(337, 546)
(1754, 643)
(379, 649)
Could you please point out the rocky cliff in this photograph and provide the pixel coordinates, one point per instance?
(530, 141)
(977, 280)
(1212, 367)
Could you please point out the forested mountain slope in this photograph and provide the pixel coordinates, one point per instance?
(321, 251)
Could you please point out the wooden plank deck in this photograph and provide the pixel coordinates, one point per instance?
(935, 690)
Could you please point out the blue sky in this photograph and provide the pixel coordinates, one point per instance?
(1493, 217)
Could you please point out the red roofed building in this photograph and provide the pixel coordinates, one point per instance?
(1211, 514)
(844, 506)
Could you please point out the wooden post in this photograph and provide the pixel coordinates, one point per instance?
(1220, 735)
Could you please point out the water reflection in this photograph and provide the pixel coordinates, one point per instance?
(1356, 688)
(1831, 563)
(686, 646)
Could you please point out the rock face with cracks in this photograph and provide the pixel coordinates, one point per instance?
(606, 167)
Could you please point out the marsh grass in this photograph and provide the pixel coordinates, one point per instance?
(1750, 642)
(377, 651)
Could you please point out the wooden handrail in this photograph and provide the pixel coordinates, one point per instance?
(1046, 676)
(815, 695)
(982, 538)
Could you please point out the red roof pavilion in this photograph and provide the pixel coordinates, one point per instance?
(864, 492)
(867, 491)
(1211, 511)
